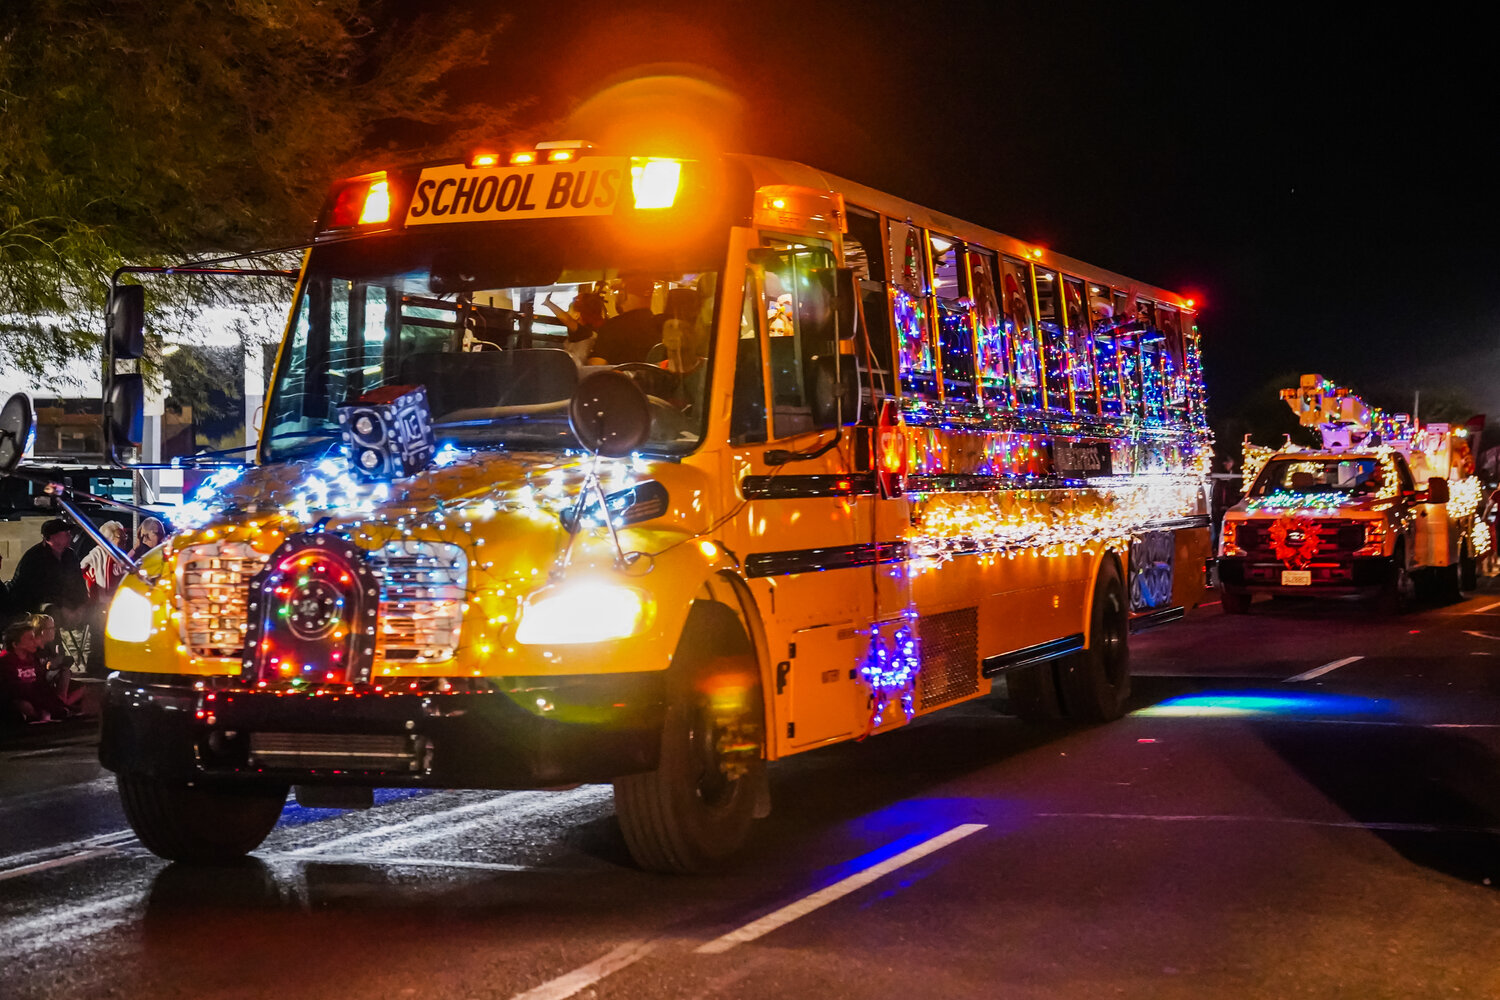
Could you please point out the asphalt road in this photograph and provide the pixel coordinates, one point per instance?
(1305, 802)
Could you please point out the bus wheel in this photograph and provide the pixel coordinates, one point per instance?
(695, 810)
(1235, 602)
(198, 825)
(1096, 682)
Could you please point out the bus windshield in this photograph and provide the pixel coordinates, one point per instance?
(1349, 476)
(499, 328)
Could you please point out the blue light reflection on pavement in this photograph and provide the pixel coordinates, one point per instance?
(1232, 704)
(295, 815)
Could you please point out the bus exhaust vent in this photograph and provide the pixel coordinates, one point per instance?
(950, 656)
(397, 754)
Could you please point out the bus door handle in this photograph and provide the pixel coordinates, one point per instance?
(782, 670)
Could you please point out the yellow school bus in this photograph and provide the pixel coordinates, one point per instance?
(840, 461)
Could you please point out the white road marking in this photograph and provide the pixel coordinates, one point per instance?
(1480, 635)
(585, 976)
(1326, 668)
(55, 863)
(76, 850)
(807, 904)
(1487, 607)
(384, 861)
(1285, 820)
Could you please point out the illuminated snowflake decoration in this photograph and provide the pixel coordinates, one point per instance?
(891, 667)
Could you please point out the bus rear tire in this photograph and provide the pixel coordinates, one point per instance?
(1095, 683)
(197, 825)
(695, 811)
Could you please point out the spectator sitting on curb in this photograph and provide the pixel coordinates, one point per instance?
(23, 683)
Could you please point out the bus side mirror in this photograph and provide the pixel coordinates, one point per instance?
(126, 321)
(16, 419)
(609, 414)
(124, 411)
(846, 303)
(835, 395)
(1437, 490)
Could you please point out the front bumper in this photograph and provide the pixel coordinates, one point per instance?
(1350, 575)
(497, 733)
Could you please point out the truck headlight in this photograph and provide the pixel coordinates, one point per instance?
(129, 617)
(1228, 539)
(575, 613)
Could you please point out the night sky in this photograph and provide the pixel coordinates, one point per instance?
(1321, 182)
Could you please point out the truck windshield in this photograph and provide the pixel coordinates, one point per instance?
(498, 327)
(1351, 476)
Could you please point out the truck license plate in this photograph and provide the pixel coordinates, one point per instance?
(1296, 578)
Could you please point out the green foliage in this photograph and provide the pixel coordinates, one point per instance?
(149, 131)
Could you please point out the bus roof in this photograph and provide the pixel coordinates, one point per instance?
(767, 170)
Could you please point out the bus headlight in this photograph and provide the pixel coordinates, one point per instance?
(129, 617)
(577, 613)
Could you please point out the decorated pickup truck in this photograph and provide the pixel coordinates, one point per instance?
(1384, 507)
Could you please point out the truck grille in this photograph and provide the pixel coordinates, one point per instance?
(423, 586)
(1338, 538)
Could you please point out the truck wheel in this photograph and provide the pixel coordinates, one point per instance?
(1399, 589)
(1096, 682)
(1235, 602)
(198, 825)
(696, 809)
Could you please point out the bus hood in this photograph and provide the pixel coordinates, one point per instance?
(460, 486)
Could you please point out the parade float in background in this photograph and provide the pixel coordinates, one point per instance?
(1385, 506)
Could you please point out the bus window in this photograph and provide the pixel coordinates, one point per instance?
(1173, 363)
(1080, 345)
(1155, 365)
(994, 378)
(1106, 353)
(862, 252)
(747, 415)
(954, 312)
(1020, 329)
(862, 245)
(1054, 340)
(799, 307)
(909, 299)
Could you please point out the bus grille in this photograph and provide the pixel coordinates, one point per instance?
(423, 586)
(950, 656)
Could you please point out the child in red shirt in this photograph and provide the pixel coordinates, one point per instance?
(23, 680)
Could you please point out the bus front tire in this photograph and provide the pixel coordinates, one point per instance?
(1095, 683)
(695, 811)
(198, 825)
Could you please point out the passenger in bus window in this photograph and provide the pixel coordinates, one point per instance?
(630, 335)
(583, 321)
